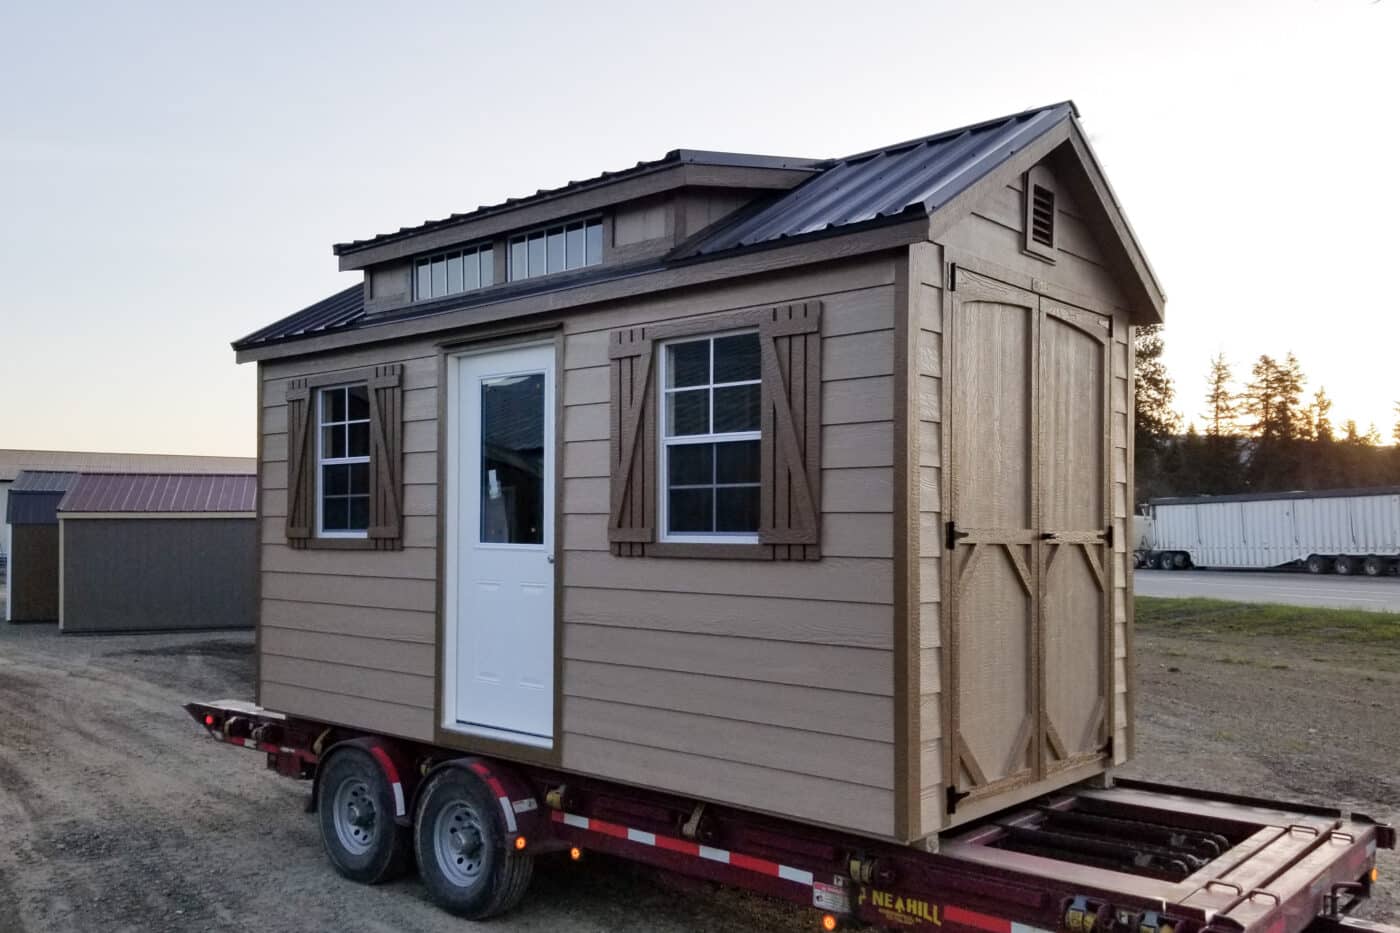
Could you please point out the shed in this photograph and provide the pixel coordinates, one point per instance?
(31, 512)
(144, 552)
(792, 484)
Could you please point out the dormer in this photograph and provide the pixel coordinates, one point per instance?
(633, 217)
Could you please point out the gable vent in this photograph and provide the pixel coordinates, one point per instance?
(1043, 216)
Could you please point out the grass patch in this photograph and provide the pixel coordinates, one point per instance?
(1304, 623)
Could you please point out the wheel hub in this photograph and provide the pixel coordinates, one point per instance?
(355, 816)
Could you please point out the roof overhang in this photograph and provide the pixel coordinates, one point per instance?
(752, 173)
(65, 516)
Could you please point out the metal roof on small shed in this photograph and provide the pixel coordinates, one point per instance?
(866, 189)
(163, 493)
(34, 496)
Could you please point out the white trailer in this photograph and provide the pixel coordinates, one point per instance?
(1345, 531)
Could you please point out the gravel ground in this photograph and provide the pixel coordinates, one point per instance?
(116, 814)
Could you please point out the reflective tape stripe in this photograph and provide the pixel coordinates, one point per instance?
(506, 809)
(969, 918)
(392, 774)
(685, 847)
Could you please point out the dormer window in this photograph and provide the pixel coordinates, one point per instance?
(556, 249)
(453, 273)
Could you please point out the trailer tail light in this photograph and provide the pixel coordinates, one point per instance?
(575, 853)
(829, 922)
(209, 720)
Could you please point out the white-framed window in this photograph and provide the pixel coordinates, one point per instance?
(710, 439)
(455, 272)
(342, 461)
(556, 249)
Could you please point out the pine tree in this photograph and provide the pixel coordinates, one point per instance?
(1218, 471)
(1273, 398)
(1155, 422)
(1321, 417)
(1395, 431)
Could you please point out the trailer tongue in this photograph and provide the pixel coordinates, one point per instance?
(1130, 858)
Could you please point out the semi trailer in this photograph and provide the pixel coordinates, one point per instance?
(1344, 531)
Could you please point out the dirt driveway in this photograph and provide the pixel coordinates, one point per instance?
(116, 814)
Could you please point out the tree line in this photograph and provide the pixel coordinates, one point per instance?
(1262, 433)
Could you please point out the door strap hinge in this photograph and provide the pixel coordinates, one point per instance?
(954, 797)
(953, 535)
(1107, 535)
(952, 276)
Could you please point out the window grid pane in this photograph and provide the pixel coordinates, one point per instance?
(710, 436)
(343, 473)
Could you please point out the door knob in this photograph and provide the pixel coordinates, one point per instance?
(549, 557)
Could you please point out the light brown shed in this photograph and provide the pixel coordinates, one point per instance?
(921, 613)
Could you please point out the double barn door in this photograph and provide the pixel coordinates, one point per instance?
(1029, 553)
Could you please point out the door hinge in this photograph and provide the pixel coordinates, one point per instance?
(953, 535)
(954, 797)
(952, 276)
(1107, 535)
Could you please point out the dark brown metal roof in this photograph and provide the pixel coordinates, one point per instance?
(674, 157)
(843, 195)
(161, 492)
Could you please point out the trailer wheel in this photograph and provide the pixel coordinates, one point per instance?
(1164, 561)
(1316, 563)
(356, 814)
(1344, 565)
(1374, 566)
(1181, 561)
(463, 849)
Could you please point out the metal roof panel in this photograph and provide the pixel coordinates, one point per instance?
(161, 493)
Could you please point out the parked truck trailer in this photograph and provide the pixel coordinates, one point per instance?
(1345, 531)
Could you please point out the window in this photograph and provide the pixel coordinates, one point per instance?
(557, 249)
(454, 273)
(1040, 198)
(709, 392)
(342, 462)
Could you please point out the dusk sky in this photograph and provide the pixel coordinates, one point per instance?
(172, 175)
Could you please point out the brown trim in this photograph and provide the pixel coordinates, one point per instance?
(717, 551)
(569, 298)
(1129, 597)
(258, 525)
(447, 738)
(908, 779)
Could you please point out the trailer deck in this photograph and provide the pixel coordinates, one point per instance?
(1133, 857)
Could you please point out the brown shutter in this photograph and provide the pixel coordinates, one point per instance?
(386, 457)
(301, 504)
(632, 446)
(790, 501)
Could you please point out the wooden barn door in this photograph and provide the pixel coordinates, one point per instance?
(992, 332)
(1028, 595)
(1076, 555)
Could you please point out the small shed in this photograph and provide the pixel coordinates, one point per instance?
(32, 514)
(145, 552)
(798, 485)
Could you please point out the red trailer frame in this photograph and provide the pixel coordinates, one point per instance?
(1133, 857)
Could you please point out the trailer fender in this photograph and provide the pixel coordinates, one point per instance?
(520, 807)
(397, 771)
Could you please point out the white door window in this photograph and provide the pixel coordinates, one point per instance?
(501, 586)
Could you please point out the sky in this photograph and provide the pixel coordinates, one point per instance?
(172, 175)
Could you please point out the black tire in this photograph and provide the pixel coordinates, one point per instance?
(1374, 566)
(1344, 565)
(1181, 561)
(1164, 561)
(463, 848)
(355, 808)
(1318, 564)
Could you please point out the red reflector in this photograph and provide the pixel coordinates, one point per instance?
(209, 719)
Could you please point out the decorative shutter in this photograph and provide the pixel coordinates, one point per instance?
(301, 485)
(386, 457)
(632, 444)
(790, 500)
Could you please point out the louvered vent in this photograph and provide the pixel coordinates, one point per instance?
(1042, 216)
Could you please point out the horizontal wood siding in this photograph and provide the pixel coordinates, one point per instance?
(350, 636)
(762, 685)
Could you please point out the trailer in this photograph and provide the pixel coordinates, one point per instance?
(1344, 531)
(1124, 856)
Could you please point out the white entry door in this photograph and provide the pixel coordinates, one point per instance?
(502, 610)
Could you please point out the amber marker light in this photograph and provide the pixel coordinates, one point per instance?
(519, 843)
(575, 853)
(1375, 875)
(828, 922)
